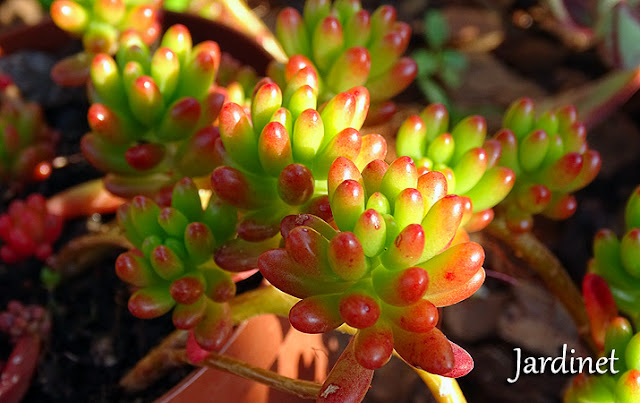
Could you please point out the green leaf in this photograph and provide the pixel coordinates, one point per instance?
(451, 78)
(428, 62)
(452, 59)
(628, 36)
(436, 29)
(433, 91)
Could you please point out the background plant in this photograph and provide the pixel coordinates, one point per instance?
(440, 66)
(349, 47)
(100, 23)
(151, 114)
(551, 159)
(26, 141)
(469, 163)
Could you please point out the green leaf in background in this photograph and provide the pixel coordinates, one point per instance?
(436, 30)
(428, 62)
(46, 4)
(628, 36)
(451, 78)
(433, 91)
(454, 60)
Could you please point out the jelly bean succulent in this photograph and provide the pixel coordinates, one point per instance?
(551, 159)
(237, 79)
(393, 262)
(618, 260)
(152, 113)
(101, 22)
(621, 386)
(349, 47)
(28, 229)
(25, 139)
(277, 160)
(467, 160)
(172, 266)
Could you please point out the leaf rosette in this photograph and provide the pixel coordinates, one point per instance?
(172, 264)
(348, 47)
(278, 155)
(463, 154)
(551, 159)
(101, 22)
(151, 114)
(399, 255)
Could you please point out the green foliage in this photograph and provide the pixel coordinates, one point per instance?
(439, 67)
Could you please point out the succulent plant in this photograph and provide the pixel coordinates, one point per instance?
(621, 387)
(348, 47)
(19, 320)
(151, 114)
(25, 140)
(101, 22)
(237, 79)
(278, 159)
(28, 229)
(467, 160)
(397, 257)
(618, 260)
(551, 159)
(172, 264)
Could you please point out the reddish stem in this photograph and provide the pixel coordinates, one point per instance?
(300, 388)
(84, 199)
(16, 377)
(529, 248)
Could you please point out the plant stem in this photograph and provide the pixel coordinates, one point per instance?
(300, 388)
(81, 252)
(444, 390)
(156, 363)
(84, 199)
(529, 248)
(261, 301)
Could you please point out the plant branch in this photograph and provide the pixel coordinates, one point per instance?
(261, 301)
(300, 388)
(529, 248)
(81, 252)
(157, 363)
(84, 199)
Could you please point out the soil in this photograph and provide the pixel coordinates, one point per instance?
(95, 340)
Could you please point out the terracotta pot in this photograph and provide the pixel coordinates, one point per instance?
(267, 342)
(46, 36)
